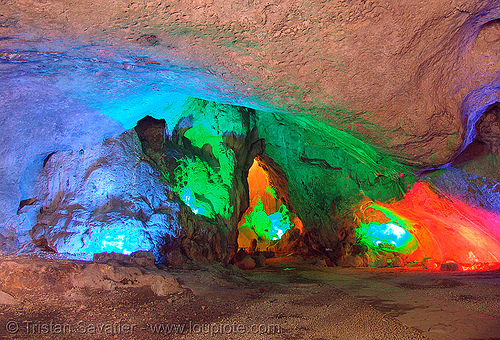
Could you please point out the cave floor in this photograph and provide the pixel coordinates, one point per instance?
(287, 299)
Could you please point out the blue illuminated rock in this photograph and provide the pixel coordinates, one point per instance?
(37, 120)
(102, 199)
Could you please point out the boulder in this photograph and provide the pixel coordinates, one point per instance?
(450, 267)
(260, 260)
(143, 258)
(165, 286)
(246, 263)
(397, 261)
(351, 261)
(112, 277)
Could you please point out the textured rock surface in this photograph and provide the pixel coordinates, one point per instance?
(107, 277)
(205, 158)
(20, 274)
(476, 190)
(130, 193)
(341, 88)
(325, 172)
(488, 129)
(37, 121)
(102, 199)
(403, 75)
(7, 299)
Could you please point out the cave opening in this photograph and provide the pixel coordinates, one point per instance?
(269, 214)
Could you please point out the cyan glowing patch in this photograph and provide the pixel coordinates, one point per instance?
(387, 235)
(196, 206)
(383, 231)
(280, 222)
(130, 109)
(119, 240)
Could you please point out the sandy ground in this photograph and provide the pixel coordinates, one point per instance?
(287, 299)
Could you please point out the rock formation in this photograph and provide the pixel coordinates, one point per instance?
(343, 100)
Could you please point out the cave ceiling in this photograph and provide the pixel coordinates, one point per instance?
(410, 78)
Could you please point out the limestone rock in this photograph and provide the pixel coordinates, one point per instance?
(7, 299)
(380, 263)
(32, 273)
(111, 277)
(347, 93)
(246, 263)
(143, 258)
(165, 286)
(319, 262)
(260, 260)
(488, 129)
(474, 189)
(397, 261)
(335, 56)
(351, 261)
(102, 199)
(68, 277)
(111, 257)
(450, 267)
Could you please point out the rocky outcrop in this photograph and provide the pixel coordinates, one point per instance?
(109, 277)
(67, 278)
(102, 199)
(146, 189)
(326, 171)
(37, 120)
(488, 129)
(205, 159)
(479, 191)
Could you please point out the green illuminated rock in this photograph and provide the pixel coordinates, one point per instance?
(203, 151)
(328, 170)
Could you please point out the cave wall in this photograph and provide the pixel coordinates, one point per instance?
(38, 120)
(349, 96)
(163, 185)
(205, 160)
(326, 172)
(130, 192)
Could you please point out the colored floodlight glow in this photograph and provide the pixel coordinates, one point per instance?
(445, 229)
(267, 219)
(448, 229)
(387, 234)
(204, 189)
(280, 222)
(197, 207)
(117, 239)
(268, 227)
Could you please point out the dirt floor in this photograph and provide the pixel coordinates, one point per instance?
(287, 299)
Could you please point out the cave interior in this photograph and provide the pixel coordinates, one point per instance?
(218, 155)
